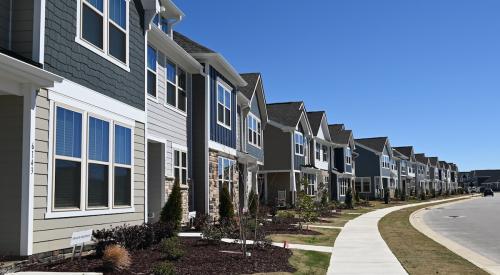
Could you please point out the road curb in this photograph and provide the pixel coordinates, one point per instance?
(417, 221)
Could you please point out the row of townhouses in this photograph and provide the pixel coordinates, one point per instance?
(104, 107)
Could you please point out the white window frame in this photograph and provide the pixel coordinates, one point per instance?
(343, 185)
(324, 153)
(348, 155)
(318, 151)
(105, 21)
(311, 189)
(150, 96)
(258, 131)
(299, 152)
(228, 90)
(386, 162)
(229, 181)
(179, 151)
(177, 87)
(84, 210)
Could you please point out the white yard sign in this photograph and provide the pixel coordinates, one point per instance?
(80, 237)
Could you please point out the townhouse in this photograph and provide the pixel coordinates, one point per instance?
(423, 174)
(480, 178)
(169, 70)
(213, 126)
(73, 95)
(320, 146)
(407, 181)
(287, 153)
(443, 169)
(454, 176)
(376, 165)
(435, 174)
(343, 168)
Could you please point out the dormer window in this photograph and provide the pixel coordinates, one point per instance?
(103, 28)
(223, 105)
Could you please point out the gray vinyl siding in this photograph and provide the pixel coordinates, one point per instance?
(367, 163)
(53, 234)
(164, 122)
(22, 27)
(251, 149)
(198, 149)
(277, 155)
(4, 23)
(11, 119)
(386, 172)
(67, 58)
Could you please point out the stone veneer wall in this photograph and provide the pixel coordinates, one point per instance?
(169, 185)
(214, 185)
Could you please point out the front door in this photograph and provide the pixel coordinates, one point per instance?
(156, 180)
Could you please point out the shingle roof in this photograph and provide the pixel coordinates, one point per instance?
(492, 175)
(252, 80)
(286, 113)
(376, 143)
(190, 45)
(339, 134)
(421, 158)
(315, 120)
(434, 161)
(443, 164)
(405, 150)
(398, 154)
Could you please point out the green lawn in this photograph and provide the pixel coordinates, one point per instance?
(310, 262)
(417, 253)
(326, 238)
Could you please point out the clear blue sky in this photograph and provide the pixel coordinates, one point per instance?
(425, 73)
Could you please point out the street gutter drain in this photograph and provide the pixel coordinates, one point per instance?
(454, 217)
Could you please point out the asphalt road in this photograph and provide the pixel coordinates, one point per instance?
(474, 224)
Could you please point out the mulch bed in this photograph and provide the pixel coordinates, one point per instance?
(199, 258)
(286, 226)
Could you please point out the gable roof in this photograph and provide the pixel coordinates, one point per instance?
(190, 45)
(285, 113)
(434, 161)
(407, 151)
(422, 158)
(443, 164)
(376, 143)
(252, 80)
(339, 134)
(398, 154)
(315, 119)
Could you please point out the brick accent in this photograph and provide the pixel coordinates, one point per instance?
(214, 185)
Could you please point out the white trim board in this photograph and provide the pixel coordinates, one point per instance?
(76, 95)
(221, 148)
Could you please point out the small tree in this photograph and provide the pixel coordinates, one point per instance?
(226, 208)
(305, 205)
(402, 195)
(386, 196)
(172, 211)
(348, 198)
(396, 193)
(356, 196)
(252, 203)
(422, 194)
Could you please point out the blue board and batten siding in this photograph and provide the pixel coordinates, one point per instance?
(65, 57)
(218, 133)
(256, 152)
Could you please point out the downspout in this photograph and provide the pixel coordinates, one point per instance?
(293, 186)
(206, 74)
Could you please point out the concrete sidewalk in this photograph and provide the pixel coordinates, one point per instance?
(360, 249)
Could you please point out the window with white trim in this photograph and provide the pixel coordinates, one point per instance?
(325, 153)
(311, 184)
(299, 143)
(96, 168)
(225, 172)
(223, 105)
(180, 166)
(318, 151)
(176, 85)
(386, 162)
(254, 131)
(363, 185)
(343, 185)
(348, 155)
(162, 23)
(104, 26)
(151, 71)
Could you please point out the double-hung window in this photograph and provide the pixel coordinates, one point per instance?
(180, 166)
(363, 185)
(225, 172)
(299, 143)
(223, 105)
(92, 162)
(176, 85)
(318, 151)
(103, 27)
(151, 72)
(311, 184)
(254, 131)
(325, 153)
(348, 155)
(386, 162)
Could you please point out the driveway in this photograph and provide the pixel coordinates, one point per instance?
(474, 224)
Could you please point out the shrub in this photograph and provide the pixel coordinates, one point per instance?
(286, 214)
(396, 193)
(164, 268)
(116, 257)
(226, 208)
(422, 195)
(305, 205)
(348, 198)
(433, 192)
(356, 197)
(402, 195)
(132, 237)
(172, 211)
(200, 221)
(252, 203)
(386, 196)
(172, 249)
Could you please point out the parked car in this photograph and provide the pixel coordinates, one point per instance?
(472, 189)
(488, 192)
